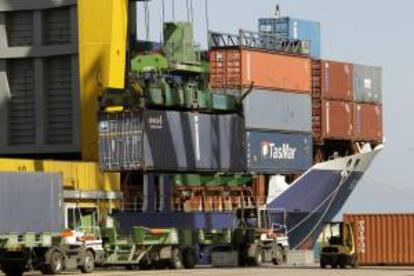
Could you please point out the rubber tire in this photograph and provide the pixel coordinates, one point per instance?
(144, 265)
(334, 266)
(55, 265)
(132, 267)
(12, 269)
(257, 259)
(89, 262)
(176, 259)
(280, 259)
(188, 258)
(354, 264)
(322, 264)
(342, 263)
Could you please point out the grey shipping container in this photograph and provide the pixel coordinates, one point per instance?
(31, 202)
(273, 110)
(171, 141)
(367, 84)
(276, 152)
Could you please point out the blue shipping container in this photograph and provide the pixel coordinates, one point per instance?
(291, 28)
(276, 152)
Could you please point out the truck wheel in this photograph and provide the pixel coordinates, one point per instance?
(342, 262)
(322, 263)
(88, 262)
(12, 269)
(189, 260)
(55, 264)
(132, 267)
(278, 260)
(145, 265)
(175, 261)
(256, 260)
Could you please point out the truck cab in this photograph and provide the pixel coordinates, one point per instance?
(82, 228)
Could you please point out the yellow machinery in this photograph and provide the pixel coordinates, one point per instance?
(338, 246)
(103, 26)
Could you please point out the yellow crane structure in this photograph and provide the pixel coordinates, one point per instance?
(103, 32)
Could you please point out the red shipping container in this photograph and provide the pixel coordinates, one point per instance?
(368, 122)
(332, 120)
(337, 80)
(238, 68)
(383, 239)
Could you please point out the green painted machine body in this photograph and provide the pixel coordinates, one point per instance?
(149, 62)
(17, 242)
(146, 236)
(179, 44)
(211, 180)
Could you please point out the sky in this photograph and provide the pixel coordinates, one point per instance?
(368, 32)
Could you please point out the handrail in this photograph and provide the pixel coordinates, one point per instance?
(264, 41)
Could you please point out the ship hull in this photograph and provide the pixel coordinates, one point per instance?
(316, 197)
(319, 195)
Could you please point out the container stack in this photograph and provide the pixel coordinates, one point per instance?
(346, 100)
(368, 104)
(332, 100)
(277, 107)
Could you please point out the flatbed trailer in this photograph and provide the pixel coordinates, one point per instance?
(148, 248)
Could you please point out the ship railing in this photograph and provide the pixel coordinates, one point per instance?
(205, 204)
(263, 41)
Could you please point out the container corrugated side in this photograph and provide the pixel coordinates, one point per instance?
(337, 80)
(383, 239)
(332, 120)
(275, 152)
(274, 110)
(367, 84)
(30, 202)
(77, 175)
(368, 122)
(172, 141)
(239, 68)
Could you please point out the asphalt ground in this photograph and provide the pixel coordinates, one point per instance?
(261, 271)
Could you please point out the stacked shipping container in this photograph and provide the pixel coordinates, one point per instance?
(278, 109)
(292, 28)
(368, 103)
(332, 92)
(171, 141)
(346, 102)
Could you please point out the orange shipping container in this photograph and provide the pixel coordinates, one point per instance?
(384, 239)
(238, 68)
(337, 80)
(368, 122)
(332, 120)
